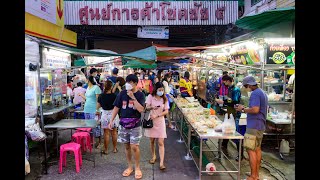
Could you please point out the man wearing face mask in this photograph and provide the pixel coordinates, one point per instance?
(256, 124)
(130, 102)
(233, 98)
(94, 72)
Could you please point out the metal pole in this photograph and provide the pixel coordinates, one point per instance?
(239, 162)
(293, 106)
(200, 159)
(284, 84)
(41, 112)
(86, 44)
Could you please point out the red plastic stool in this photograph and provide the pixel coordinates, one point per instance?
(80, 137)
(75, 147)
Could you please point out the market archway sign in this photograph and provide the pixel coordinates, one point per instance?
(150, 12)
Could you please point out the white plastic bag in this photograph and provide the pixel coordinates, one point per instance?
(210, 167)
(35, 133)
(229, 125)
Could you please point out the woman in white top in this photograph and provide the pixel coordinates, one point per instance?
(165, 82)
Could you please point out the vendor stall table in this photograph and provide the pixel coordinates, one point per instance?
(210, 134)
(56, 110)
(70, 124)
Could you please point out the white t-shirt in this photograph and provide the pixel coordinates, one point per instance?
(291, 79)
(166, 87)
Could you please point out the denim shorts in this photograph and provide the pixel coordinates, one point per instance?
(97, 132)
(131, 136)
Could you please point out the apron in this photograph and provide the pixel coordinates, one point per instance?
(105, 119)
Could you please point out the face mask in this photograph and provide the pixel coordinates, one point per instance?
(159, 93)
(128, 87)
(146, 78)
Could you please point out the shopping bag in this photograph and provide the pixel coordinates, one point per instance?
(146, 121)
(229, 125)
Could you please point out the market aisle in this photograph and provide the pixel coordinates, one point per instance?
(112, 165)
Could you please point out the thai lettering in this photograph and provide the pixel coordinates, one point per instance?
(126, 10)
(157, 13)
(220, 13)
(114, 12)
(135, 13)
(194, 11)
(145, 12)
(163, 6)
(94, 15)
(279, 48)
(164, 12)
(106, 13)
(83, 14)
(204, 12)
(183, 13)
(172, 14)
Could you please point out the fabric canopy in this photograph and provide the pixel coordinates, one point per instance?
(267, 18)
(147, 55)
(138, 64)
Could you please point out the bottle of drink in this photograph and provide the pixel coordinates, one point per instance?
(69, 101)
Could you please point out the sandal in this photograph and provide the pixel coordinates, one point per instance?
(152, 161)
(162, 167)
(127, 172)
(138, 175)
(104, 152)
(115, 151)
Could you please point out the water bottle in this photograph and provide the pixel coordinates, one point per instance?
(69, 101)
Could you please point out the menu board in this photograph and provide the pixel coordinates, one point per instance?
(280, 53)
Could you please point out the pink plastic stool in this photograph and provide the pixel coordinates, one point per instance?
(80, 137)
(75, 147)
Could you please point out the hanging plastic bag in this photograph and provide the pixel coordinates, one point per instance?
(35, 133)
(229, 125)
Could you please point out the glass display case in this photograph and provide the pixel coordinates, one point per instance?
(53, 87)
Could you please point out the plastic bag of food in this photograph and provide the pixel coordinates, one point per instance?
(229, 125)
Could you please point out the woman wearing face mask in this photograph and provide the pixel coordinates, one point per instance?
(91, 97)
(158, 104)
(165, 82)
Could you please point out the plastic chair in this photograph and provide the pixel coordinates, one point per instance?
(80, 137)
(75, 148)
(83, 130)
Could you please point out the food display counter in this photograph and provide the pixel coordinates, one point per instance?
(196, 120)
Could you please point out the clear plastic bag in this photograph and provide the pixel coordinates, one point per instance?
(229, 125)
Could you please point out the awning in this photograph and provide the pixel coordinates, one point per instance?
(147, 55)
(138, 64)
(267, 18)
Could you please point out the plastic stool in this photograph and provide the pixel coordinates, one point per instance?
(75, 147)
(83, 130)
(79, 138)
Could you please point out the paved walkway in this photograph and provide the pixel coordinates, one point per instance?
(112, 165)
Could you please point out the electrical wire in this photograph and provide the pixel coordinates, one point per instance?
(276, 170)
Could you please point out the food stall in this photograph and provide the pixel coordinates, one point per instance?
(270, 61)
(196, 126)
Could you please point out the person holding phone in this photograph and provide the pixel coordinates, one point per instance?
(157, 102)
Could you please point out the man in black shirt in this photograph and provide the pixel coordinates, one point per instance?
(131, 103)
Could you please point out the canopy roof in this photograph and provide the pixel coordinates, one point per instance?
(267, 18)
